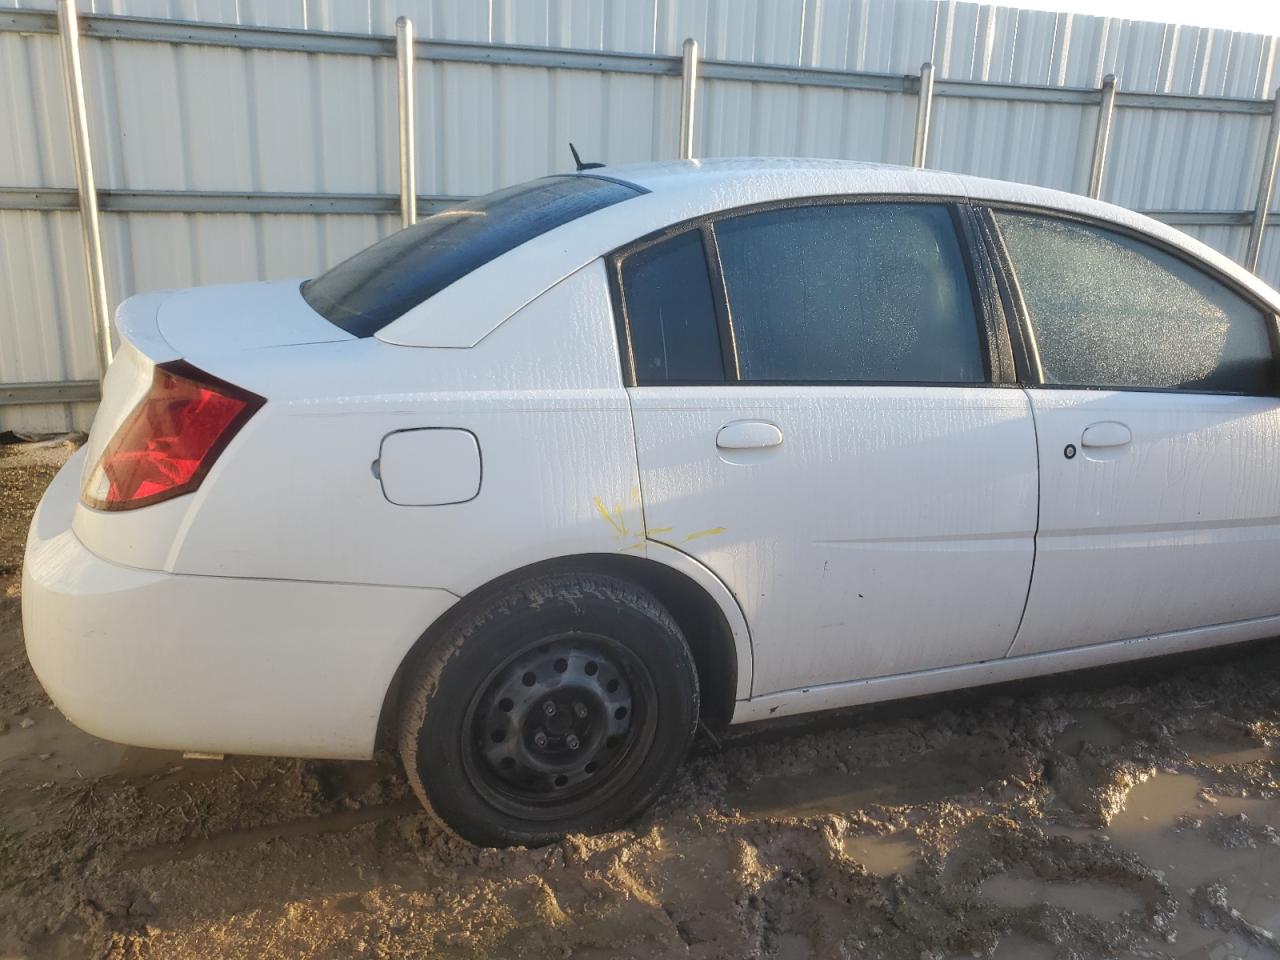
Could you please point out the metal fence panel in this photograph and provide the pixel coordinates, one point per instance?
(35, 148)
(1167, 160)
(44, 309)
(216, 118)
(165, 250)
(1046, 144)
(212, 127)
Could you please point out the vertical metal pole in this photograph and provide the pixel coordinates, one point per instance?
(924, 111)
(688, 91)
(404, 73)
(1106, 110)
(1266, 184)
(90, 227)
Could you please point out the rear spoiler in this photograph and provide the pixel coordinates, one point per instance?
(137, 321)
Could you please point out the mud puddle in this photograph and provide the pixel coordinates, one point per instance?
(1194, 839)
(884, 856)
(1022, 889)
(1215, 752)
(935, 775)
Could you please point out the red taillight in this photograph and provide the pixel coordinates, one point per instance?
(170, 440)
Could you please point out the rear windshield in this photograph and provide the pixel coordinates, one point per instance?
(380, 283)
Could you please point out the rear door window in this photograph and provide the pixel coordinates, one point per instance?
(383, 282)
(851, 292)
(1109, 310)
(670, 313)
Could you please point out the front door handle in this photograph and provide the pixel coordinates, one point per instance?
(1108, 433)
(748, 435)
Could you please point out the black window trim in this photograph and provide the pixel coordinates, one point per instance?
(993, 329)
(985, 282)
(720, 297)
(1022, 333)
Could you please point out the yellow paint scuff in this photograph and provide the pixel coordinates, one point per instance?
(613, 517)
(699, 534)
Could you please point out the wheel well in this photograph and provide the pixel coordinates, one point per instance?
(700, 618)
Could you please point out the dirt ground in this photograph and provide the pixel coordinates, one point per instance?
(1116, 815)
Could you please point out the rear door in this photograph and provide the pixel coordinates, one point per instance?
(1153, 387)
(817, 423)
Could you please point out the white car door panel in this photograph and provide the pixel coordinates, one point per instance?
(865, 531)
(1167, 517)
(1158, 434)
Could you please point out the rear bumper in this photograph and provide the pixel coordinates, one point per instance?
(215, 664)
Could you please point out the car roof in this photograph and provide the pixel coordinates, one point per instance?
(679, 190)
(776, 178)
(769, 172)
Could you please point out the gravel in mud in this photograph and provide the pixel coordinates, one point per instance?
(1128, 814)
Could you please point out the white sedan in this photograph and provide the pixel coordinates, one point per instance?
(529, 489)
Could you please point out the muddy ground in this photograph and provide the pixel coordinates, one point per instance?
(1115, 815)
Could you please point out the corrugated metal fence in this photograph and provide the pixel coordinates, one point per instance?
(236, 140)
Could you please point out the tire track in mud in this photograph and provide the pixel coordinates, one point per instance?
(233, 840)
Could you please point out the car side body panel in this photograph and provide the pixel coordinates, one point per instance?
(1178, 527)
(889, 531)
(543, 398)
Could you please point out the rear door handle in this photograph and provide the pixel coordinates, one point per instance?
(748, 435)
(1108, 433)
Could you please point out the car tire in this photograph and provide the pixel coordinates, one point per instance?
(558, 705)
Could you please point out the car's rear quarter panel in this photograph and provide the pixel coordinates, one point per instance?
(296, 496)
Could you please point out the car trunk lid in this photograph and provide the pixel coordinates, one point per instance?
(207, 323)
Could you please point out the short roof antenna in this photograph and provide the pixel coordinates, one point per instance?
(577, 160)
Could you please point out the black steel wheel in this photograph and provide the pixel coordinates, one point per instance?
(559, 705)
(560, 720)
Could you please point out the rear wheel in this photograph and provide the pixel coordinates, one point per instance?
(559, 705)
